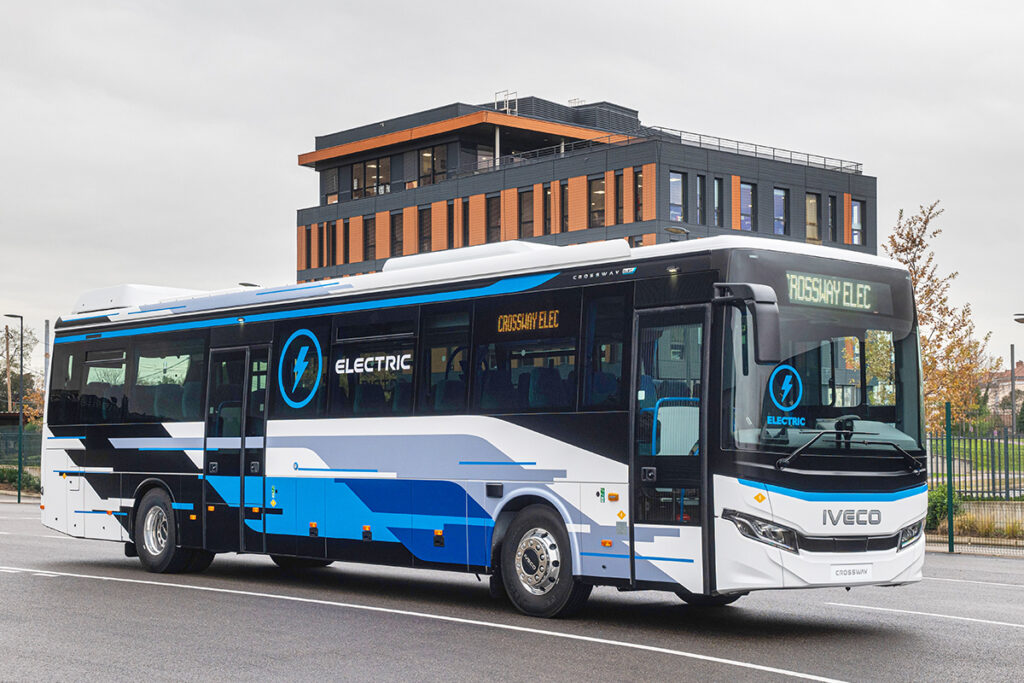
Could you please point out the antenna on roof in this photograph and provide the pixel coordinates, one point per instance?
(507, 101)
(576, 102)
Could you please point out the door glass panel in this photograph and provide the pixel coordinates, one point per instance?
(227, 380)
(668, 388)
(257, 404)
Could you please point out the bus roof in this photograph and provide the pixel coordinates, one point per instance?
(134, 303)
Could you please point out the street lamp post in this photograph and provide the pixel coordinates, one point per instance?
(21, 392)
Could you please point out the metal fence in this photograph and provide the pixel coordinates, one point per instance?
(976, 489)
(32, 447)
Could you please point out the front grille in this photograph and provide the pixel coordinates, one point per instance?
(846, 544)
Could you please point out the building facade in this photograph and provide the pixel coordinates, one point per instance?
(528, 168)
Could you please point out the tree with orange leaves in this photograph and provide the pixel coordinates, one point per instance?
(953, 360)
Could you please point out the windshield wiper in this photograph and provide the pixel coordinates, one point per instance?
(910, 461)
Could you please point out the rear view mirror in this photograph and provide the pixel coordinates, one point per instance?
(763, 305)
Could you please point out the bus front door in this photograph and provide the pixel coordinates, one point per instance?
(668, 446)
(234, 450)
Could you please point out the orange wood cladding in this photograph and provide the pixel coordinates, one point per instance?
(538, 209)
(578, 203)
(735, 202)
(457, 233)
(847, 219)
(556, 207)
(355, 239)
(509, 214)
(382, 234)
(649, 238)
(628, 202)
(477, 220)
(300, 251)
(410, 235)
(448, 125)
(650, 191)
(609, 198)
(439, 226)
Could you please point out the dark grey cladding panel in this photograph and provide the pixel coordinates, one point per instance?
(636, 154)
(788, 174)
(432, 193)
(519, 176)
(584, 164)
(391, 125)
(479, 184)
(830, 181)
(345, 180)
(391, 201)
(398, 168)
(627, 230)
(737, 164)
(863, 186)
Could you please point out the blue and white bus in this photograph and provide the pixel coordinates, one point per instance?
(708, 417)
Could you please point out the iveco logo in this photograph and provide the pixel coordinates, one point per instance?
(300, 358)
(851, 517)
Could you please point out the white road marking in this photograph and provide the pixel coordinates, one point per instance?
(927, 614)
(454, 620)
(15, 533)
(43, 574)
(10, 571)
(980, 583)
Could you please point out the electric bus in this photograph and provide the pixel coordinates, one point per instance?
(707, 417)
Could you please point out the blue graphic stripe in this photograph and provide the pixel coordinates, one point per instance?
(493, 462)
(100, 512)
(506, 286)
(182, 506)
(84, 317)
(299, 289)
(836, 496)
(616, 555)
(326, 469)
(67, 437)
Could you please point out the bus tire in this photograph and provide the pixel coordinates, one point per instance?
(536, 565)
(696, 600)
(156, 535)
(289, 563)
(200, 561)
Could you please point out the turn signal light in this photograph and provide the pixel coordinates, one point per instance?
(613, 496)
(255, 509)
(366, 527)
(606, 543)
(192, 517)
(312, 525)
(42, 507)
(209, 508)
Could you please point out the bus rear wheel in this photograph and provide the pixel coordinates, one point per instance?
(156, 535)
(289, 563)
(536, 565)
(695, 600)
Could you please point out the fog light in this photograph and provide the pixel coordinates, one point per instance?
(762, 530)
(911, 533)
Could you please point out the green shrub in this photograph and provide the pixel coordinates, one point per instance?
(937, 506)
(29, 482)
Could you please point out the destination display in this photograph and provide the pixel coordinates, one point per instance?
(528, 321)
(809, 289)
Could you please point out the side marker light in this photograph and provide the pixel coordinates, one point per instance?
(606, 543)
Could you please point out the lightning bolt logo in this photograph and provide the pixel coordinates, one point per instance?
(301, 363)
(787, 386)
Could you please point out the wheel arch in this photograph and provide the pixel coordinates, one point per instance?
(523, 498)
(144, 487)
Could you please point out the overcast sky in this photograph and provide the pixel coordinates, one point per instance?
(156, 142)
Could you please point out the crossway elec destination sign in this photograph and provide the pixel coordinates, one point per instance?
(838, 292)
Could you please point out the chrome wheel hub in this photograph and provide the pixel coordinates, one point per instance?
(538, 561)
(154, 530)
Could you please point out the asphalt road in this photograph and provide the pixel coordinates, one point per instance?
(75, 609)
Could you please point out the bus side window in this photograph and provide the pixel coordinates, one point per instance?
(102, 400)
(606, 320)
(167, 378)
(444, 364)
(65, 382)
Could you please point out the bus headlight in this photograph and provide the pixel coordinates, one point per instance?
(909, 534)
(762, 530)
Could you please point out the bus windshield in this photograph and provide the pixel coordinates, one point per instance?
(848, 379)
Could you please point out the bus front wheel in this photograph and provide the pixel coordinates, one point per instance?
(536, 565)
(156, 535)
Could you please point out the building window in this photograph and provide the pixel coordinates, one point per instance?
(332, 243)
(857, 221)
(638, 195)
(309, 246)
(677, 196)
(369, 239)
(433, 164)
(525, 214)
(813, 210)
(832, 218)
(329, 185)
(595, 203)
(423, 227)
(618, 200)
(565, 207)
(346, 257)
(450, 227)
(321, 229)
(718, 199)
(465, 222)
(748, 206)
(635, 241)
(547, 209)
(781, 211)
(370, 178)
(702, 218)
(397, 230)
(493, 219)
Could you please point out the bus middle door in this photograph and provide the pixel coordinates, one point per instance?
(668, 445)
